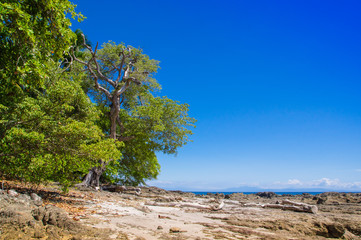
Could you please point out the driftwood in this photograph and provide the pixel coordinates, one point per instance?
(293, 206)
(189, 205)
(122, 189)
(161, 204)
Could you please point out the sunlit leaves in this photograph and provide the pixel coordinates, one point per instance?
(148, 124)
(31, 33)
(53, 136)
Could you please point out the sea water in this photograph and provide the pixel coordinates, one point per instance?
(279, 193)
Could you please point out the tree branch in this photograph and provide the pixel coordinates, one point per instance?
(96, 73)
(123, 89)
(120, 68)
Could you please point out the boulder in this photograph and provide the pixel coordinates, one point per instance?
(267, 194)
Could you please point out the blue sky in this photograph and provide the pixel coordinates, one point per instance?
(275, 86)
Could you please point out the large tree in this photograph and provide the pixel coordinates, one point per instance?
(124, 87)
(47, 122)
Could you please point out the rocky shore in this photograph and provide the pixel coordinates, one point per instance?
(153, 213)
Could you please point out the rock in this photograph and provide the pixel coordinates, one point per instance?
(38, 201)
(159, 228)
(38, 233)
(13, 193)
(236, 196)
(220, 195)
(174, 230)
(51, 215)
(23, 199)
(321, 200)
(266, 194)
(185, 194)
(335, 230)
(306, 195)
(349, 236)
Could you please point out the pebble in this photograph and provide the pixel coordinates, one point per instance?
(159, 228)
(174, 230)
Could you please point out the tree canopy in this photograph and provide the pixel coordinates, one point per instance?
(120, 80)
(32, 33)
(53, 136)
(68, 110)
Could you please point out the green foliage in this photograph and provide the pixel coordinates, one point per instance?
(53, 136)
(49, 128)
(148, 124)
(31, 33)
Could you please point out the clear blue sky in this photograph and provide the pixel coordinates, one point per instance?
(275, 86)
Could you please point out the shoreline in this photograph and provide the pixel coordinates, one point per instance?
(155, 213)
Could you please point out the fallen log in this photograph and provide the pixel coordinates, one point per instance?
(293, 206)
(122, 189)
(161, 204)
(189, 205)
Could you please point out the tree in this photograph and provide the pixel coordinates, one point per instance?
(47, 122)
(31, 33)
(33, 37)
(54, 136)
(124, 87)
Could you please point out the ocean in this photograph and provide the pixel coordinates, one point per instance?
(279, 193)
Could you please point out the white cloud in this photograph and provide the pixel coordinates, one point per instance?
(326, 182)
(294, 182)
(358, 170)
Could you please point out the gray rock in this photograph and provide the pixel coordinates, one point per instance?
(321, 200)
(23, 199)
(37, 199)
(266, 194)
(13, 193)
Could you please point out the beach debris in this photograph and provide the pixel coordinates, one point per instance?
(122, 189)
(252, 204)
(159, 228)
(144, 209)
(163, 217)
(293, 206)
(176, 230)
(218, 207)
(186, 204)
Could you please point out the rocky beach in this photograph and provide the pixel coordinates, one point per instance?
(153, 213)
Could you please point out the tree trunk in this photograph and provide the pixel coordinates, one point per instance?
(114, 115)
(92, 179)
